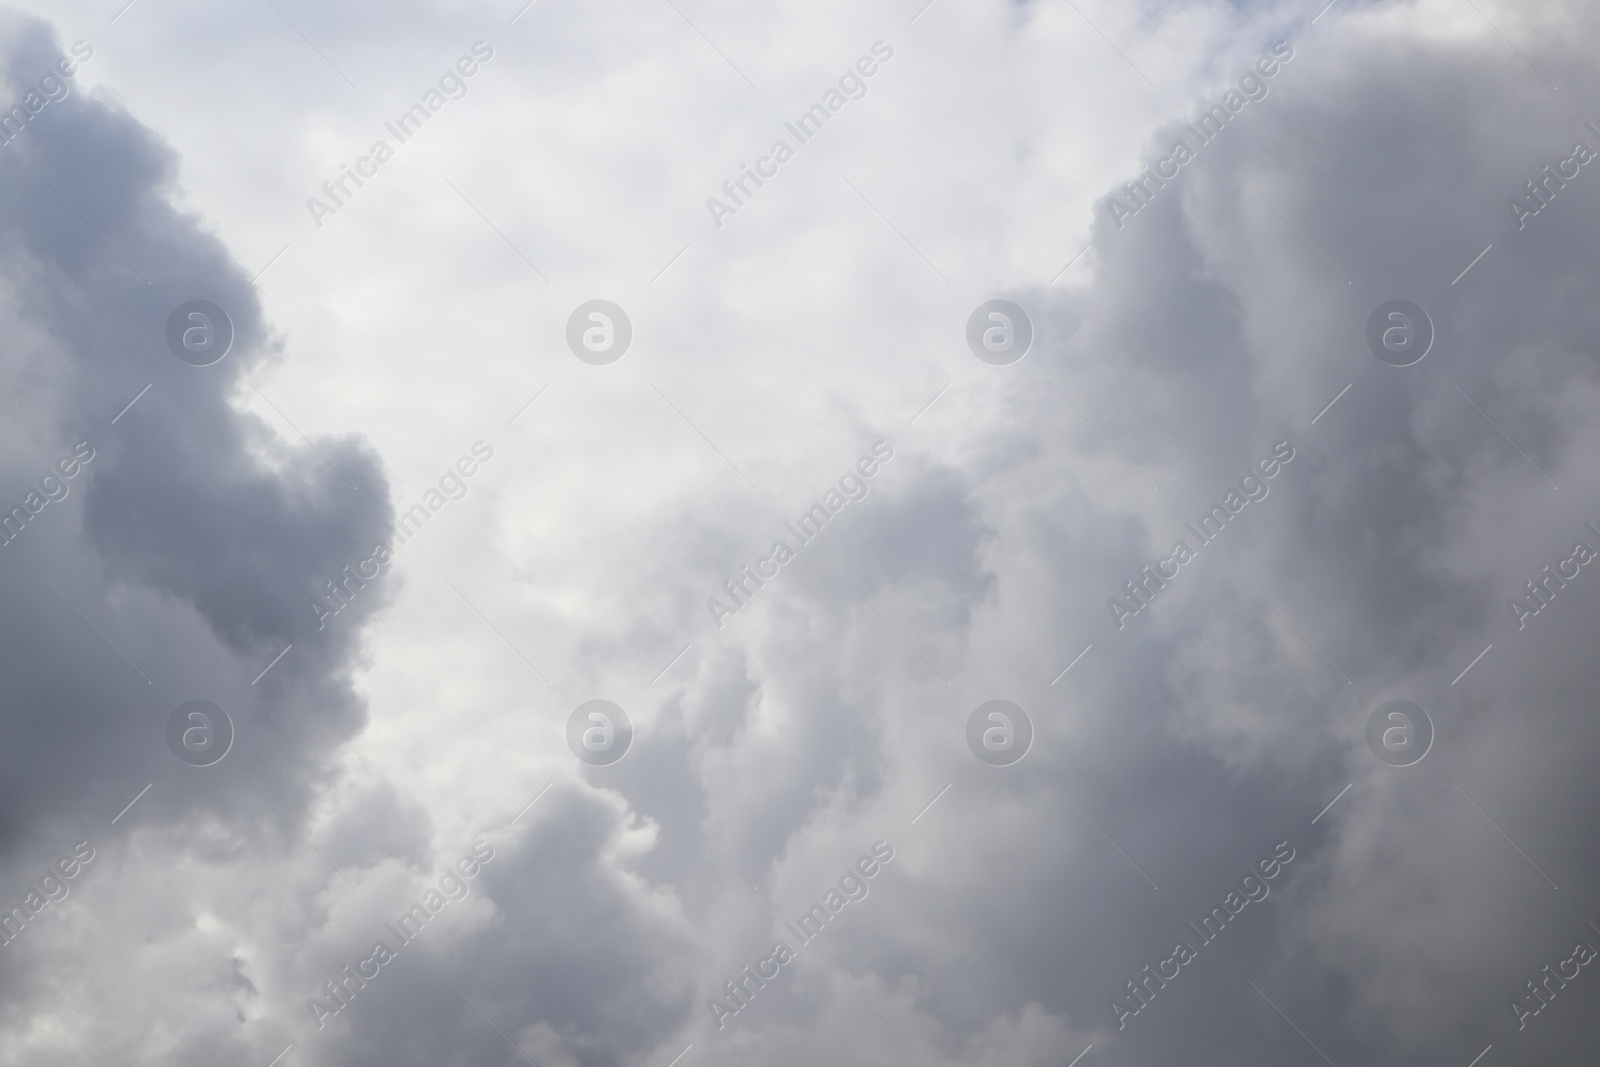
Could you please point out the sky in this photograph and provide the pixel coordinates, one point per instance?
(688, 533)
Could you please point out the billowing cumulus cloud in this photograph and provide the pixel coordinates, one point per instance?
(1199, 534)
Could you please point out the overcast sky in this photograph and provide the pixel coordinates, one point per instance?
(1262, 503)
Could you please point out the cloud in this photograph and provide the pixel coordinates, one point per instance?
(1222, 719)
(178, 565)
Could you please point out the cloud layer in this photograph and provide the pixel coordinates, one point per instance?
(1031, 911)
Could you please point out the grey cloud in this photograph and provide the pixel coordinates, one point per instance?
(191, 539)
(1218, 723)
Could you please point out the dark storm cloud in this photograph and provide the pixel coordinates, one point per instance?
(191, 539)
(568, 959)
(1211, 330)
(1214, 727)
(194, 540)
(1209, 729)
